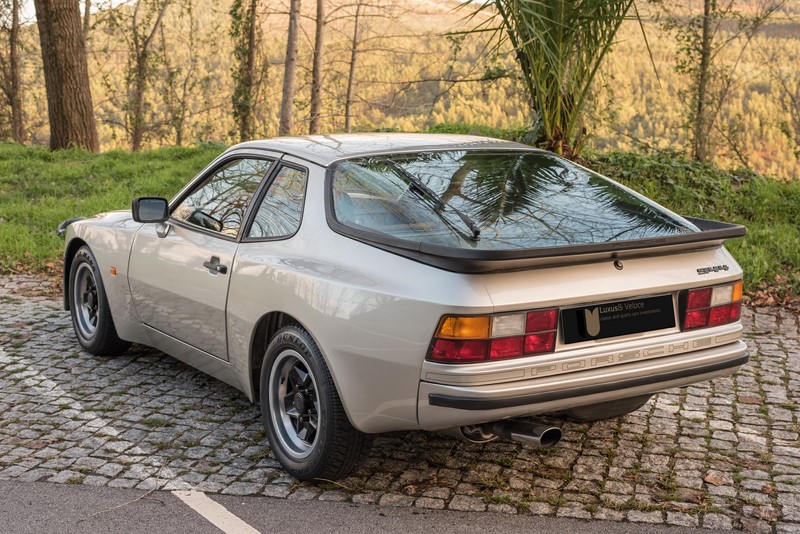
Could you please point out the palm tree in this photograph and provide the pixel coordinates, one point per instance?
(559, 46)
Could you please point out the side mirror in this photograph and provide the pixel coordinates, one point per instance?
(150, 209)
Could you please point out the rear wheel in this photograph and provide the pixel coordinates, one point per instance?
(91, 315)
(606, 410)
(306, 424)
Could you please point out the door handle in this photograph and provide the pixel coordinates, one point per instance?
(216, 267)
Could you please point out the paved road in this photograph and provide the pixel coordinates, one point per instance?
(41, 508)
(720, 455)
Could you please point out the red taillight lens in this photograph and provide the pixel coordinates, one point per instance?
(725, 314)
(695, 319)
(474, 338)
(699, 298)
(541, 320)
(454, 351)
(508, 347)
(540, 343)
(712, 306)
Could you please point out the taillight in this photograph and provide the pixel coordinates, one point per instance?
(711, 306)
(466, 339)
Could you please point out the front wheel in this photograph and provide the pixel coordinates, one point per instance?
(91, 315)
(306, 424)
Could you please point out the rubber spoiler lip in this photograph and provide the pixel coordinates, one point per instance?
(466, 261)
(62, 228)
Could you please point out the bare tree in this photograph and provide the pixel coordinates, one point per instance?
(786, 92)
(139, 68)
(351, 71)
(66, 75)
(700, 142)
(723, 26)
(316, 72)
(10, 67)
(244, 32)
(87, 18)
(290, 69)
(180, 78)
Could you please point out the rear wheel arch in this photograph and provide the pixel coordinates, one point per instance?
(69, 255)
(266, 328)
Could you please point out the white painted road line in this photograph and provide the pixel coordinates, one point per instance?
(215, 513)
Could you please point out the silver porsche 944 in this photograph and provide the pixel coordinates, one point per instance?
(358, 284)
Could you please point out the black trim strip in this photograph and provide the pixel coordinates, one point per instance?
(472, 403)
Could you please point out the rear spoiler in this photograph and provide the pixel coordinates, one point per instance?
(712, 234)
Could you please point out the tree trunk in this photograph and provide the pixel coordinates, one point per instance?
(248, 79)
(244, 33)
(316, 72)
(15, 98)
(351, 77)
(137, 100)
(142, 49)
(66, 75)
(700, 148)
(290, 69)
(87, 18)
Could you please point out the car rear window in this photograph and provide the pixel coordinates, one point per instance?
(516, 199)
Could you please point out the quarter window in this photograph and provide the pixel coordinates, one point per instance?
(220, 202)
(280, 211)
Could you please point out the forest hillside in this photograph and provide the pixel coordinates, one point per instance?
(409, 66)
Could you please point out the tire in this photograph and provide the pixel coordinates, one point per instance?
(606, 410)
(307, 427)
(91, 315)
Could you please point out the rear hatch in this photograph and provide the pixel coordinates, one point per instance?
(569, 258)
(480, 211)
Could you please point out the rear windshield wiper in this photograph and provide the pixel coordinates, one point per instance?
(422, 189)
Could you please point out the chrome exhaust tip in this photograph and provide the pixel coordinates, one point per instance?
(535, 434)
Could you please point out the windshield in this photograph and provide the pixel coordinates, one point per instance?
(518, 200)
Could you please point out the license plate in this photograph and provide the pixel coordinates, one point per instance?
(612, 319)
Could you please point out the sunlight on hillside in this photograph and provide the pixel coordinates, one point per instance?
(412, 56)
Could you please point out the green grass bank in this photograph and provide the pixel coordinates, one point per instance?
(39, 189)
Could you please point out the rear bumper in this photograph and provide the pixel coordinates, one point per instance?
(446, 406)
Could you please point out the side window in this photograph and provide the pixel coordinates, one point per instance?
(280, 212)
(219, 203)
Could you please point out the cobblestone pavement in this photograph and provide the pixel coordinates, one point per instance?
(721, 455)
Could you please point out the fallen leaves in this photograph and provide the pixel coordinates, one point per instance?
(750, 400)
(767, 513)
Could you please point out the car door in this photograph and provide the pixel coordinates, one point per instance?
(179, 271)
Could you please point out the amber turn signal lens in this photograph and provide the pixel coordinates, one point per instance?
(464, 327)
(737, 291)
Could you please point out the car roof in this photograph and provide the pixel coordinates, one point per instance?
(326, 149)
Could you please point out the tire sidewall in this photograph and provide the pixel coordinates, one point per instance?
(85, 256)
(312, 465)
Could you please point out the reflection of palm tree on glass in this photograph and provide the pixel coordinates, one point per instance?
(521, 199)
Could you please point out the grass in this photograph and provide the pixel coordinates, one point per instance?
(39, 189)
(157, 422)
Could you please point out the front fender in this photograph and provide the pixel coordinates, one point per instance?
(109, 236)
